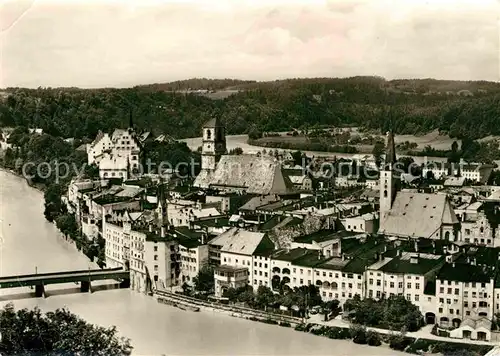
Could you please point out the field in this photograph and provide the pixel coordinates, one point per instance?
(433, 139)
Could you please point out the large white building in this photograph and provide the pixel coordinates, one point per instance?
(117, 156)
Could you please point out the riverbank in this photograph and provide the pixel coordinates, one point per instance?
(411, 342)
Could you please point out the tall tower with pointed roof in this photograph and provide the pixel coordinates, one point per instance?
(213, 144)
(387, 178)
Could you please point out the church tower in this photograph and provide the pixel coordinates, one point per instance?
(213, 144)
(388, 180)
(161, 208)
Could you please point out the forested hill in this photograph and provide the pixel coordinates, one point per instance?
(461, 109)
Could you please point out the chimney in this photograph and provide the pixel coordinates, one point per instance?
(319, 254)
(416, 246)
(150, 228)
(343, 257)
(202, 239)
(453, 264)
(162, 231)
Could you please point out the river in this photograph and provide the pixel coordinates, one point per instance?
(28, 242)
(233, 141)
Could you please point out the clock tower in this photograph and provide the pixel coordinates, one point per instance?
(213, 144)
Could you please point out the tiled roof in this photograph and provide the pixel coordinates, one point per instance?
(254, 174)
(462, 272)
(424, 263)
(238, 241)
(259, 201)
(417, 215)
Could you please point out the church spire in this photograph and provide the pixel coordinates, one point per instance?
(390, 150)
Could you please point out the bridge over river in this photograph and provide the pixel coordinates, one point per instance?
(84, 277)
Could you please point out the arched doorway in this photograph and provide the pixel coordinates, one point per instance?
(444, 321)
(456, 322)
(430, 318)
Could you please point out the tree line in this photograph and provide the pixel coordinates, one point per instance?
(406, 107)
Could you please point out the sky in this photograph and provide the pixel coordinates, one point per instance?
(119, 43)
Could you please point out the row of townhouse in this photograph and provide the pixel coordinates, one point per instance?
(475, 172)
(450, 291)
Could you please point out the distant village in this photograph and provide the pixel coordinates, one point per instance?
(259, 222)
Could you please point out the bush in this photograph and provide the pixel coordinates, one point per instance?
(373, 338)
(269, 321)
(301, 327)
(420, 345)
(285, 324)
(399, 342)
(358, 334)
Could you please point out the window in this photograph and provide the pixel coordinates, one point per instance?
(416, 297)
(155, 249)
(466, 294)
(408, 296)
(449, 290)
(408, 285)
(440, 310)
(456, 291)
(378, 282)
(370, 281)
(466, 304)
(441, 290)
(391, 284)
(448, 301)
(156, 257)
(451, 311)
(378, 294)
(441, 300)
(417, 285)
(400, 285)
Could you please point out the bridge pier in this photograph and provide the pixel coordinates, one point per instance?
(85, 287)
(125, 283)
(40, 291)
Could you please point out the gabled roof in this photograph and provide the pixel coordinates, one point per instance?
(417, 215)
(239, 241)
(256, 175)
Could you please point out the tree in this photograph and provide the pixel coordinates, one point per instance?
(204, 281)
(66, 223)
(264, 297)
(56, 333)
(236, 151)
(53, 204)
(333, 307)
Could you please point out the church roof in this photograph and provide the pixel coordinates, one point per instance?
(256, 175)
(213, 122)
(417, 215)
